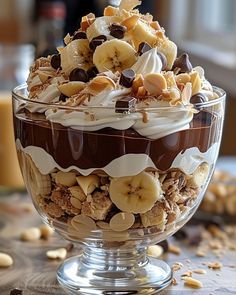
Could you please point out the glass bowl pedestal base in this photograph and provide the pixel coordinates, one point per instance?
(104, 271)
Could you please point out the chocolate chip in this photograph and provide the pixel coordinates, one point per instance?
(164, 244)
(63, 97)
(183, 63)
(125, 104)
(127, 77)
(97, 41)
(56, 61)
(92, 72)
(16, 292)
(117, 31)
(163, 60)
(143, 47)
(79, 75)
(79, 35)
(198, 98)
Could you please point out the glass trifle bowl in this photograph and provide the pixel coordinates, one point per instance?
(117, 139)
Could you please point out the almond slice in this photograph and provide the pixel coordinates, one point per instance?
(130, 22)
(196, 82)
(129, 4)
(100, 84)
(71, 88)
(110, 11)
(88, 183)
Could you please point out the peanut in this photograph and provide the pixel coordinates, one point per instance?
(5, 260)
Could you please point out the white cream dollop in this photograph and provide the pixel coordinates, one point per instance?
(48, 95)
(148, 63)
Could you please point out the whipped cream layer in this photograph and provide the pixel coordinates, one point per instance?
(126, 165)
(159, 122)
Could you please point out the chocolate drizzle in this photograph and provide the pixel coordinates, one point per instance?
(97, 149)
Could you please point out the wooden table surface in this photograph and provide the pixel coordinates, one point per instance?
(35, 274)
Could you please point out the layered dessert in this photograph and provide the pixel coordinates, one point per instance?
(118, 131)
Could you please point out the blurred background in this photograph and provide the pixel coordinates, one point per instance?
(30, 28)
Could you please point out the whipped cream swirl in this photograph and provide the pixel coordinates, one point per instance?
(148, 63)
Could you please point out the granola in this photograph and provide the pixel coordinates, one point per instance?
(72, 195)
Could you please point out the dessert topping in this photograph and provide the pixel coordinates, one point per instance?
(70, 89)
(183, 64)
(198, 98)
(143, 47)
(79, 35)
(148, 63)
(130, 22)
(114, 55)
(155, 84)
(100, 84)
(92, 72)
(56, 61)
(97, 41)
(63, 97)
(125, 104)
(117, 31)
(127, 78)
(196, 82)
(79, 75)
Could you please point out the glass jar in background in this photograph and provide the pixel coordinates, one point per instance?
(14, 67)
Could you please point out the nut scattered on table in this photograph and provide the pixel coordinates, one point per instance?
(57, 254)
(31, 234)
(193, 283)
(214, 265)
(174, 249)
(199, 271)
(177, 266)
(46, 231)
(5, 260)
(220, 197)
(155, 251)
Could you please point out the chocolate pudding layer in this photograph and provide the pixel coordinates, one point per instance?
(85, 150)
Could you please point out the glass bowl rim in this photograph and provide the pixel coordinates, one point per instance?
(19, 97)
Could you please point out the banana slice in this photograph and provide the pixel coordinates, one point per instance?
(76, 54)
(135, 194)
(199, 176)
(169, 49)
(71, 88)
(143, 33)
(114, 55)
(37, 183)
